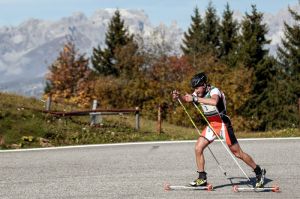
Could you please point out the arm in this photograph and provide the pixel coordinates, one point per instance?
(208, 101)
(186, 98)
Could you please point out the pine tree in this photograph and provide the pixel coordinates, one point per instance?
(102, 62)
(253, 39)
(228, 34)
(117, 35)
(289, 58)
(270, 105)
(211, 29)
(289, 54)
(193, 38)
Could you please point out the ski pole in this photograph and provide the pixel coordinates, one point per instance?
(221, 141)
(218, 163)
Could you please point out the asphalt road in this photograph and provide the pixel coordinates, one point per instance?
(140, 171)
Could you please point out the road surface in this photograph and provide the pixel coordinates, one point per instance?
(140, 170)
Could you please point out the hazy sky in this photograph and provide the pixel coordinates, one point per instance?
(13, 12)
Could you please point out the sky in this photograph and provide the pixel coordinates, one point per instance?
(14, 12)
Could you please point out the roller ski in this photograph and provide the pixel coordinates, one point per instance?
(168, 187)
(274, 188)
(259, 185)
(199, 184)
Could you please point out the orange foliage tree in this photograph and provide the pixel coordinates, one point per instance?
(164, 76)
(70, 78)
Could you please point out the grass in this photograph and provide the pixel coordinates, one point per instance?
(184, 133)
(22, 126)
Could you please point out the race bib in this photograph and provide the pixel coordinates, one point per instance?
(209, 110)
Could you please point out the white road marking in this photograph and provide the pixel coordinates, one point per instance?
(137, 143)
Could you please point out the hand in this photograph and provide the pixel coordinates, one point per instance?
(188, 98)
(175, 94)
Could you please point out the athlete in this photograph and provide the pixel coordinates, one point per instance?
(213, 104)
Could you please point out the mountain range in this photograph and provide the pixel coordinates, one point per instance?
(27, 50)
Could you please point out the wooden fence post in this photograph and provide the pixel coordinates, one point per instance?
(159, 119)
(93, 116)
(137, 118)
(299, 104)
(48, 103)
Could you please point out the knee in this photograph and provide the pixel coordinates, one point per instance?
(238, 154)
(199, 149)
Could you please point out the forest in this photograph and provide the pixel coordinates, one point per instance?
(262, 90)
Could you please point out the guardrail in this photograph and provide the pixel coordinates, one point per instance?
(95, 113)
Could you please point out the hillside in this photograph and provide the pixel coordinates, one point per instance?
(23, 125)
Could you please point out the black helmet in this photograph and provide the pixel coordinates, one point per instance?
(198, 80)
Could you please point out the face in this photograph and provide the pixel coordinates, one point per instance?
(200, 90)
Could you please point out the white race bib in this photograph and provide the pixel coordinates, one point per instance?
(209, 110)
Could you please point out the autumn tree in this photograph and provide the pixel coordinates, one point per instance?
(167, 74)
(128, 89)
(69, 77)
(129, 59)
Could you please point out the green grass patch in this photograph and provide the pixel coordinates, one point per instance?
(184, 133)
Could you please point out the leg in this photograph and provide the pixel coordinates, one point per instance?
(201, 144)
(234, 145)
(239, 153)
(259, 172)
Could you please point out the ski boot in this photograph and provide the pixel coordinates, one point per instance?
(200, 181)
(260, 177)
